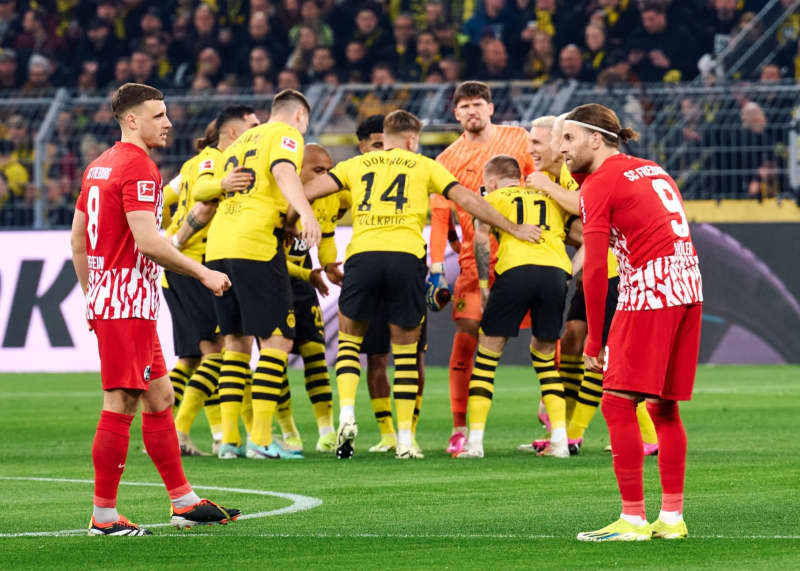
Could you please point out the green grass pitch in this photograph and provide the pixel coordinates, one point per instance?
(510, 510)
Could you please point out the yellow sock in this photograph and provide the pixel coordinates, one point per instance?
(348, 368)
(284, 409)
(417, 408)
(201, 386)
(481, 388)
(571, 372)
(179, 376)
(552, 388)
(267, 382)
(646, 426)
(214, 415)
(589, 397)
(247, 405)
(406, 384)
(233, 376)
(382, 407)
(318, 384)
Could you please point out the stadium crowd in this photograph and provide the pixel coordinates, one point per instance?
(263, 46)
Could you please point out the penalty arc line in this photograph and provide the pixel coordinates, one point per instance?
(299, 503)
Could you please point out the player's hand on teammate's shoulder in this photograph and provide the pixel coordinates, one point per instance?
(334, 273)
(311, 233)
(316, 280)
(527, 232)
(217, 282)
(237, 180)
(538, 181)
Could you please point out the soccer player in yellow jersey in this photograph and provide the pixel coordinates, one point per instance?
(310, 326)
(583, 390)
(386, 260)
(245, 237)
(191, 305)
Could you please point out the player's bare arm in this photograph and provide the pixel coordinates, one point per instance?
(197, 219)
(483, 247)
(567, 199)
(485, 212)
(595, 287)
(150, 243)
(320, 187)
(78, 243)
(292, 188)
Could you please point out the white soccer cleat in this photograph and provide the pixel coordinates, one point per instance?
(556, 450)
(405, 452)
(471, 451)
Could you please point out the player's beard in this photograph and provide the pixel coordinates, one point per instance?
(580, 163)
(475, 126)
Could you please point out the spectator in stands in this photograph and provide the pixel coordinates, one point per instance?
(122, 72)
(383, 98)
(619, 18)
(39, 71)
(259, 34)
(209, 65)
(494, 61)
(152, 23)
(451, 69)
(596, 53)
(8, 69)
(374, 39)
(132, 13)
(447, 38)
(403, 50)
(19, 133)
(723, 20)
(434, 15)
(300, 58)
(143, 70)
(15, 174)
(260, 64)
(36, 38)
(180, 49)
(99, 46)
(493, 19)
(205, 28)
(9, 22)
(758, 155)
(789, 31)
(357, 68)
(540, 61)
(571, 66)
(262, 85)
(659, 50)
(288, 79)
(322, 64)
(428, 57)
(157, 46)
(530, 17)
(108, 12)
(311, 16)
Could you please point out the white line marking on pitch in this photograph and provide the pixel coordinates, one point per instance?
(299, 503)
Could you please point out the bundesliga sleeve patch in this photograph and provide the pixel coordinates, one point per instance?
(289, 144)
(146, 190)
(206, 165)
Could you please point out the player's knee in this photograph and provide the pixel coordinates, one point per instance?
(573, 337)
(468, 326)
(662, 410)
(543, 346)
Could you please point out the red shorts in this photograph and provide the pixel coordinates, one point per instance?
(130, 353)
(654, 352)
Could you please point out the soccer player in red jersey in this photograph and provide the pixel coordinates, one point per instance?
(116, 251)
(654, 340)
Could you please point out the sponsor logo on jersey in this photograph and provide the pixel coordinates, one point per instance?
(289, 144)
(99, 173)
(206, 165)
(147, 190)
(147, 373)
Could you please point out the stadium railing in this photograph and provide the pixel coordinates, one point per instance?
(737, 140)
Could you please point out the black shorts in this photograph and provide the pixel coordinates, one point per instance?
(377, 340)
(577, 307)
(259, 301)
(309, 323)
(397, 278)
(540, 289)
(191, 306)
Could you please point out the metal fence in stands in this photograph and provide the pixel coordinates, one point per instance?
(734, 141)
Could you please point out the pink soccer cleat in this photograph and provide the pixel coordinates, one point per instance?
(650, 449)
(456, 443)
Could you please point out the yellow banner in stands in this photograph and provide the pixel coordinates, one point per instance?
(769, 210)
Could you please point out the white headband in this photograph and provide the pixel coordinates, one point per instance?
(592, 127)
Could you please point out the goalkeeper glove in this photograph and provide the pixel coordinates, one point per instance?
(437, 292)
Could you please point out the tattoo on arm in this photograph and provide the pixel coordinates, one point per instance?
(482, 253)
(194, 223)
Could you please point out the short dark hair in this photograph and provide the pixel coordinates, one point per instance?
(370, 125)
(130, 95)
(472, 90)
(503, 166)
(290, 97)
(211, 136)
(401, 121)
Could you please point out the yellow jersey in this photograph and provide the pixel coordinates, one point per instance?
(523, 206)
(566, 180)
(390, 191)
(245, 224)
(200, 165)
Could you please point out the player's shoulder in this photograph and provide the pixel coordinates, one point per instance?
(510, 131)
(452, 149)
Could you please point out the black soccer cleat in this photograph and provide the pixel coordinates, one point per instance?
(205, 512)
(345, 451)
(348, 430)
(119, 528)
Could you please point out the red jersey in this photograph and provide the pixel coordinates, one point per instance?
(465, 160)
(123, 283)
(636, 205)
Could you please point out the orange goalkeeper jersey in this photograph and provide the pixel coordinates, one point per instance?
(465, 159)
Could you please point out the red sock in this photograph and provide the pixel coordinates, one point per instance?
(626, 444)
(109, 451)
(161, 442)
(671, 453)
(461, 358)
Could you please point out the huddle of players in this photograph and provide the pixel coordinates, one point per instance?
(248, 181)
